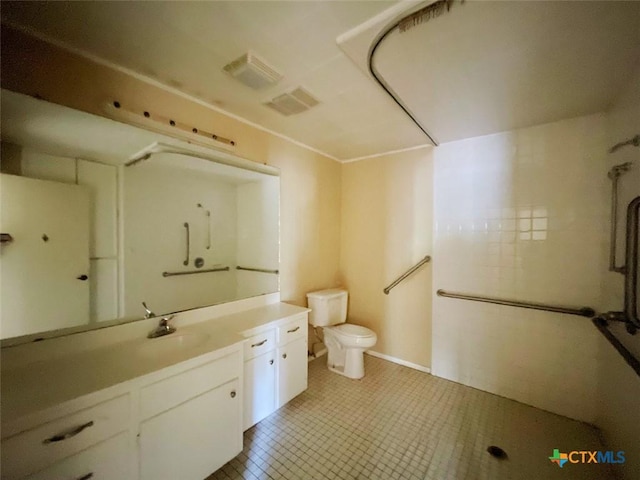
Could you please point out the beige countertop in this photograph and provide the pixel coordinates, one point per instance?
(43, 384)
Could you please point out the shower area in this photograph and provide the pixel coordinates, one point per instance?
(535, 200)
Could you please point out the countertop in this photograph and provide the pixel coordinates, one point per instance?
(46, 383)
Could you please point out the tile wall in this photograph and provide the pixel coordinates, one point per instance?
(522, 215)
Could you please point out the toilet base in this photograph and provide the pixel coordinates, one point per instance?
(353, 363)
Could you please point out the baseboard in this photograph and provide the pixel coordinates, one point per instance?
(399, 361)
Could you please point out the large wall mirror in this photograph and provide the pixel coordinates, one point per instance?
(89, 233)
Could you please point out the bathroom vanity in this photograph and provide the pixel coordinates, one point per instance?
(116, 405)
(158, 221)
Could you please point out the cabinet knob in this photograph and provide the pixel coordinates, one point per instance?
(284, 355)
(233, 394)
(271, 362)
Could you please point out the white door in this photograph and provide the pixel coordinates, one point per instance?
(44, 270)
(259, 388)
(292, 370)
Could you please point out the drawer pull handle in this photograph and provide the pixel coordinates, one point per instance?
(294, 329)
(284, 355)
(64, 436)
(271, 362)
(259, 344)
(233, 394)
(86, 477)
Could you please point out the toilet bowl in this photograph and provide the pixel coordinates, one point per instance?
(345, 342)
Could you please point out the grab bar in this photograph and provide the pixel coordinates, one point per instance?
(191, 272)
(631, 263)
(186, 260)
(635, 141)
(614, 174)
(262, 270)
(426, 259)
(602, 325)
(582, 312)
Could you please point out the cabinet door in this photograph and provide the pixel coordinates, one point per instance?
(259, 388)
(292, 370)
(194, 439)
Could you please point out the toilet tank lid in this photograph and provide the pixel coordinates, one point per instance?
(330, 293)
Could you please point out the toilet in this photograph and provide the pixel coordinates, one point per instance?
(345, 342)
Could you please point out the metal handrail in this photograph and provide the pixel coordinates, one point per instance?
(261, 270)
(426, 259)
(631, 264)
(191, 272)
(614, 174)
(582, 312)
(602, 325)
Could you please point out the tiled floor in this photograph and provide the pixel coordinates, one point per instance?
(398, 423)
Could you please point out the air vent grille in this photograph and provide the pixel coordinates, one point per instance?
(252, 71)
(294, 102)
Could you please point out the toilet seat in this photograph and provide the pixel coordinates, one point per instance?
(351, 330)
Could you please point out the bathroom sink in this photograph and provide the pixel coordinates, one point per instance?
(172, 343)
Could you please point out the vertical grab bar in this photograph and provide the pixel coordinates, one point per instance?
(186, 225)
(614, 174)
(631, 267)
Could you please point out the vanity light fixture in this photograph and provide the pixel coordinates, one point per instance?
(164, 124)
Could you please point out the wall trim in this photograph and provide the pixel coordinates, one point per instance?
(156, 83)
(399, 361)
(390, 152)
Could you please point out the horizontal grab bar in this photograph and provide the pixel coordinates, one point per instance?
(191, 272)
(262, 270)
(406, 274)
(582, 312)
(602, 325)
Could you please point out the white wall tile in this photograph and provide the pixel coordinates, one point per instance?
(537, 195)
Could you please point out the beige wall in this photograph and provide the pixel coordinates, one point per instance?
(310, 182)
(386, 228)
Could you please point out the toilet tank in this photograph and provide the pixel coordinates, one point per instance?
(328, 307)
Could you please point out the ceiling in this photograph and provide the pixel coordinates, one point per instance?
(486, 67)
(481, 68)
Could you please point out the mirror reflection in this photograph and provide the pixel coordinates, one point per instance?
(91, 234)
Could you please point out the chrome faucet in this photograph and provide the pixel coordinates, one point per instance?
(163, 328)
(147, 313)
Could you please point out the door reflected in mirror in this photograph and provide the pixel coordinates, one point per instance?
(93, 238)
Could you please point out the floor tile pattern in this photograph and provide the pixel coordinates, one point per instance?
(399, 423)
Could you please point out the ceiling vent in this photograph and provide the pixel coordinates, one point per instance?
(252, 71)
(291, 103)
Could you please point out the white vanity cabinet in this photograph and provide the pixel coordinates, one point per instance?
(259, 377)
(139, 409)
(181, 422)
(275, 368)
(75, 445)
(292, 359)
(191, 422)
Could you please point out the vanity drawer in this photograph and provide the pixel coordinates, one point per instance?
(106, 460)
(42, 446)
(292, 330)
(259, 344)
(165, 394)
